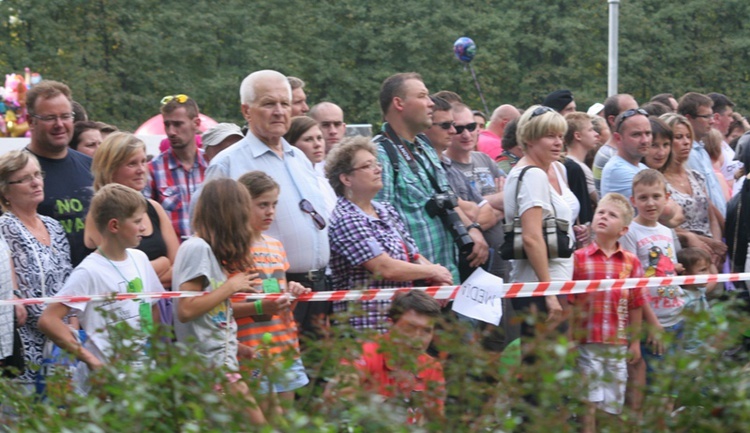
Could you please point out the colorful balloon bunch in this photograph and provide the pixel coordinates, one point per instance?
(13, 115)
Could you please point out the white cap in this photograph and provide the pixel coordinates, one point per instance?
(595, 109)
(218, 133)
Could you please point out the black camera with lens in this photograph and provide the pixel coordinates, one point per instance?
(442, 205)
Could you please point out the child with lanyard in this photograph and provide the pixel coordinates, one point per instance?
(115, 267)
(269, 325)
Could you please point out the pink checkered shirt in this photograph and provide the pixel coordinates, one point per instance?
(173, 187)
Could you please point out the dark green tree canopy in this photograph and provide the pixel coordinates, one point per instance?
(120, 57)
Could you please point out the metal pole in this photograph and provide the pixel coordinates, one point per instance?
(614, 18)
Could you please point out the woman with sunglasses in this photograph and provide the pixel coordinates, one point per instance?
(39, 247)
(688, 189)
(305, 134)
(542, 193)
(370, 247)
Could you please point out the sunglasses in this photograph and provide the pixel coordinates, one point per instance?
(307, 207)
(629, 113)
(444, 125)
(469, 127)
(181, 99)
(541, 110)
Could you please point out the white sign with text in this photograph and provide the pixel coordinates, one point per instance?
(480, 297)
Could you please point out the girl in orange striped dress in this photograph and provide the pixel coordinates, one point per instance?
(268, 326)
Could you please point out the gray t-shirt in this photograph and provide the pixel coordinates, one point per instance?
(481, 172)
(214, 334)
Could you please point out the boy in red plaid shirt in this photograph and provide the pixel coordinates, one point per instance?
(601, 320)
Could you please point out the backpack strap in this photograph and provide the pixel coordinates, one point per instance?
(390, 150)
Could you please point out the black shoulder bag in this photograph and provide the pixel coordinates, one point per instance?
(554, 230)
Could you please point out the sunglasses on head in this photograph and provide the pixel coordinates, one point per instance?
(541, 110)
(181, 99)
(469, 127)
(629, 113)
(307, 207)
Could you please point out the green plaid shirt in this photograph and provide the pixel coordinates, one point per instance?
(409, 193)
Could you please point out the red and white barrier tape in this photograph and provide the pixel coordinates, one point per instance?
(510, 290)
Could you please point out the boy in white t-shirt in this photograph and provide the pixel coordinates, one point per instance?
(113, 268)
(654, 245)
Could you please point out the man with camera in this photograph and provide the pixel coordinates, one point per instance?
(414, 181)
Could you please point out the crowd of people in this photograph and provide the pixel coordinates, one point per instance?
(287, 204)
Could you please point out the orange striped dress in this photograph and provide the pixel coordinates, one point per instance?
(270, 262)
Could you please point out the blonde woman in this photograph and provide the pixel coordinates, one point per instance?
(543, 192)
(121, 158)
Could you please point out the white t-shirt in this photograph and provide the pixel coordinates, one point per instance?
(213, 335)
(535, 191)
(655, 249)
(96, 275)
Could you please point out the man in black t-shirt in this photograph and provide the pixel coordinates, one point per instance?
(68, 182)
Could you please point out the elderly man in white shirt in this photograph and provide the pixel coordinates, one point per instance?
(301, 214)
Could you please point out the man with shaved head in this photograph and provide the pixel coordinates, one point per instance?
(490, 141)
(613, 106)
(330, 118)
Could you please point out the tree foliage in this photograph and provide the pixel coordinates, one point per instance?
(120, 57)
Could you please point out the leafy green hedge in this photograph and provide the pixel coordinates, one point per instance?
(177, 394)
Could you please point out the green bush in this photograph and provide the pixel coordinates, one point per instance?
(177, 393)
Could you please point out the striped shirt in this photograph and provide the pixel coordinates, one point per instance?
(270, 262)
(603, 316)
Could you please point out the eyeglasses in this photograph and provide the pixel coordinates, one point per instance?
(629, 113)
(28, 178)
(469, 127)
(307, 207)
(181, 99)
(369, 166)
(541, 110)
(444, 125)
(65, 117)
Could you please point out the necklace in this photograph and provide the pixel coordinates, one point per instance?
(135, 286)
(36, 228)
(679, 180)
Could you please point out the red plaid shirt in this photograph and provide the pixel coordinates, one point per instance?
(603, 317)
(173, 186)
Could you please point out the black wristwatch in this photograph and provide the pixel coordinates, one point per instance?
(474, 226)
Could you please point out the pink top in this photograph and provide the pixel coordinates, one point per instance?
(490, 144)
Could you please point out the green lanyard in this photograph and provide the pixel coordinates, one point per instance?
(136, 286)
